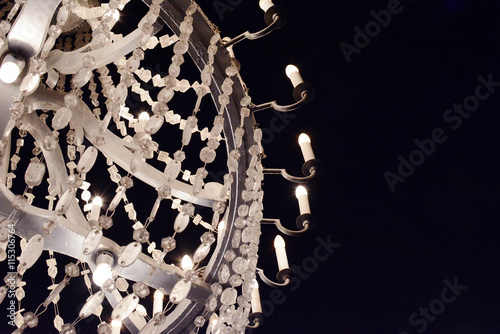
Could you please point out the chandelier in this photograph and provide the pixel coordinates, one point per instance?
(105, 188)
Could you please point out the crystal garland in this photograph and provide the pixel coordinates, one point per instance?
(231, 291)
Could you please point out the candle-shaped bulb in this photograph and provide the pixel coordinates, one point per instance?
(11, 68)
(158, 302)
(279, 246)
(305, 147)
(95, 210)
(265, 4)
(292, 72)
(116, 325)
(186, 263)
(301, 194)
(143, 117)
(256, 303)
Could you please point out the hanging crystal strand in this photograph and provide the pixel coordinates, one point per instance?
(15, 9)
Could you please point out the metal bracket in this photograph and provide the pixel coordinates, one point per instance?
(275, 18)
(304, 223)
(282, 277)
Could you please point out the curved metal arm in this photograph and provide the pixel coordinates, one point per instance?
(303, 222)
(313, 172)
(282, 276)
(275, 19)
(306, 94)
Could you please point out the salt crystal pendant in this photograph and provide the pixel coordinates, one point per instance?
(81, 78)
(120, 93)
(172, 170)
(201, 252)
(239, 265)
(92, 241)
(207, 155)
(228, 297)
(92, 303)
(224, 274)
(61, 118)
(65, 201)
(180, 291)
(120, 192)
(34, 173)
(87, 160)
(154, 124)
(137, 161)
(31, 251)
(125, 307)
(188, 130)
(165, 95)
(181, 222)
(129, 254)
(211, 303)
(55, 293)
(30, 83)
(121, 284)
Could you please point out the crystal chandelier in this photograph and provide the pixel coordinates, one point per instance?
(105, 164)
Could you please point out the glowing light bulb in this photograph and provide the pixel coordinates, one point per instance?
(143, 116)
(103, 270)
(95, 210)
(301, 194)
(186, 263)
(11, 68)
(102, 273)
(279, 246)
(265, 4)
(116, 325)
(305, 147)
(292, 72)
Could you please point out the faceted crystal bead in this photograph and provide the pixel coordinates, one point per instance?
(141, 235)
(129, 254)
(180, 291)
(72, 270)
(235, 280)
(68, 329)
(125, 307)
(208, 237)
(105, 222)
(109, 285)
(61, 118)
(34, 173)
(92, 304)
(104, 328)
(235, 241)
(199, 321)
(230, 255)
(159, 318)
(30, 319)
(164, 191)
(191, 123)
(132, 64)
(140, 289)
(168, 244)
(62, 15)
